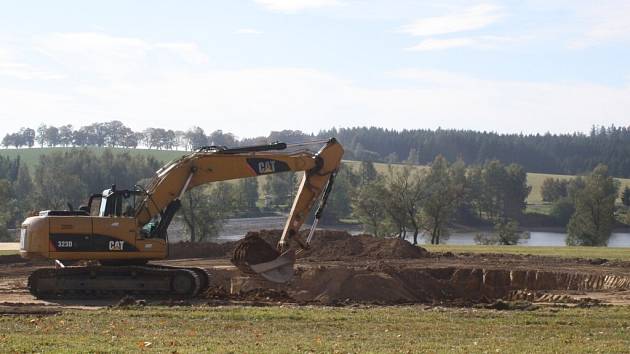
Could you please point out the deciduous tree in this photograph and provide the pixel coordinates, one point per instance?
(368, 208)
(205, 208)
(594, 217)
(443, 190)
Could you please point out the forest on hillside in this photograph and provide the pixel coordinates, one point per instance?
(571, 153)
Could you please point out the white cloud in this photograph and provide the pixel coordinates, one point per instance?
(294, 6)
(440, 44)
(480, 42)
(467, 19)
(189, 52)
(603, 22)
(97, 53)
(12, 67)
(248, 31)
(110, 57)
(23, 71)
(464, 102)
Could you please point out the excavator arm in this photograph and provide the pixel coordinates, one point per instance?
(212, 164)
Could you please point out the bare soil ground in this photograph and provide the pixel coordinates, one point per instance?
(341, 269)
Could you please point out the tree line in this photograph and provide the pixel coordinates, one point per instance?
(572, 154)
(116, 134)
(411, 201)
(575, 153)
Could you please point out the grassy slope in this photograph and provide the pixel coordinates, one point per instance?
(318, 329)
(620, 253)
(31, 157)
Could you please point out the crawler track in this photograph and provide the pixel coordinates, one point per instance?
(114, 281)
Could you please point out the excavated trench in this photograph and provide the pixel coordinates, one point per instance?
(395, 285)
(364, 269)
(403, 285)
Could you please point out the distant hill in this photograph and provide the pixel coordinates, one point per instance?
(548, 153)
(567, 154)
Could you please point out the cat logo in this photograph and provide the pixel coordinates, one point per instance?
(116, 245)
(268, 166)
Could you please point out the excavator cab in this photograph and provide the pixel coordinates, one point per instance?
(113, 202)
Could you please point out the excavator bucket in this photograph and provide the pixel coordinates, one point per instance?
(253, 255)
(280, 270)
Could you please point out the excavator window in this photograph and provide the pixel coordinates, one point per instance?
(95, 206)
(118, 202)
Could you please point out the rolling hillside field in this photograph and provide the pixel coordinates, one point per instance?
(535, 180)
(31, 158)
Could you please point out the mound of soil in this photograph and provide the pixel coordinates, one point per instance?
(327, 245)
(330, 245)
(340, 284)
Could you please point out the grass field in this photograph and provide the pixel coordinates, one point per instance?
(285, 329)
(619, 253)
(31, 158)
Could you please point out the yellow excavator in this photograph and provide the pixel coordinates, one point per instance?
(121, 230)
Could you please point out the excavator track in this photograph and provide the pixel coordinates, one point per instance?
(116, 281)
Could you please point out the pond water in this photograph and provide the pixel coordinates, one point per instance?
(235, 229)
(537, 238)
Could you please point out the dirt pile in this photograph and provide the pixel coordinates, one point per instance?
(327, 245)
(345, 285)
(330, 245)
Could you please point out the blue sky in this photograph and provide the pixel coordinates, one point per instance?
(249, 67)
